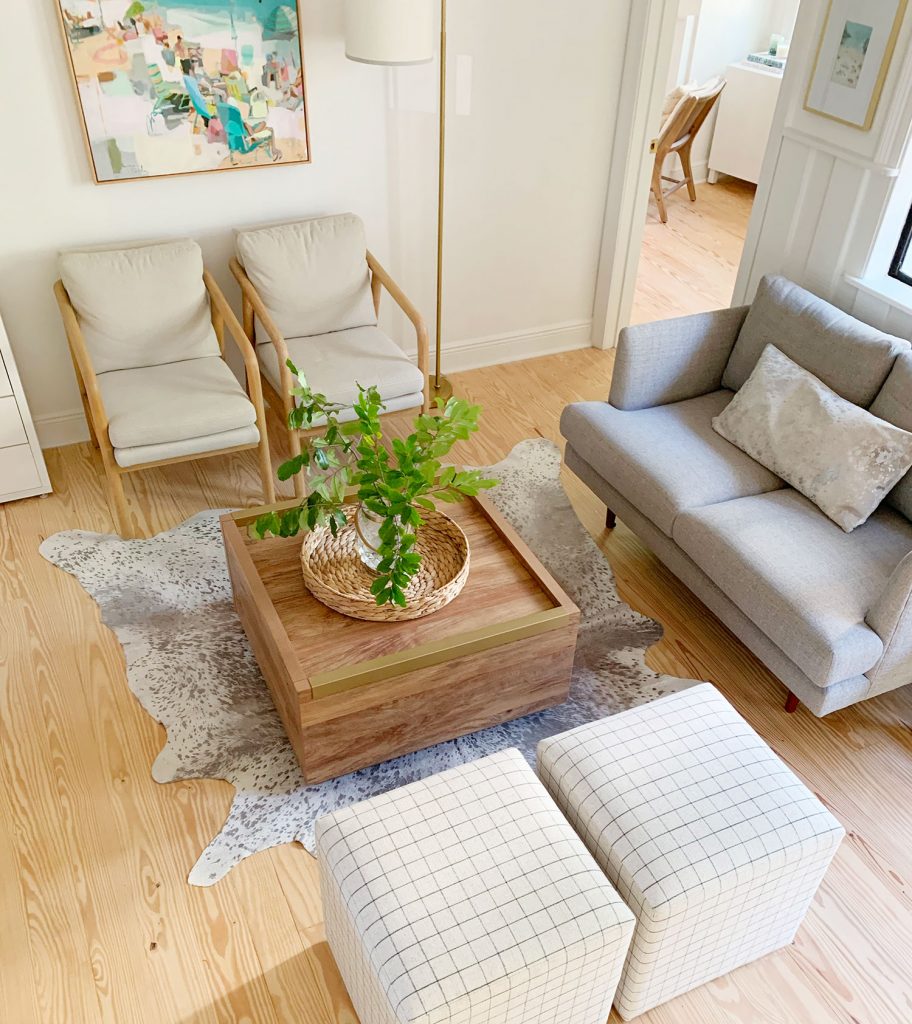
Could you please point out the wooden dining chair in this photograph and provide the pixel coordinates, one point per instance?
(146, 331)
(677, 136)
(311, 292)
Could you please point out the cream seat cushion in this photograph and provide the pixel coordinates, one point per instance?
(144, 305)
(146, 453)
(312, 275)
(335, 363)
(179, 402)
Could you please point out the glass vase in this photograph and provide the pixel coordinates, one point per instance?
(367, 525)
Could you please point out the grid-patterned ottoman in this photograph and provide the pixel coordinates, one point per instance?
(712, 841)
(467, 898)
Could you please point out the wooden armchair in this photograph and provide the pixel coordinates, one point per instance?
(146, 331)
(311, 292)
(677, 136)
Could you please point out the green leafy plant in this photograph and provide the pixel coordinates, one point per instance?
(395, 483)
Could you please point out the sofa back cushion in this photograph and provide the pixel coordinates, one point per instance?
(894, 404)
(311, 274)
(850, 357)
(144, 305)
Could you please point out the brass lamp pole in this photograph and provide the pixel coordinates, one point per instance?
(442, 387)
(396, 33)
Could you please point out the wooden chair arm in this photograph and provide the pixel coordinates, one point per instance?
(82, 362)
(252, 296)
(227, 317)
(380, 276)
(259, 307)
(226, 313)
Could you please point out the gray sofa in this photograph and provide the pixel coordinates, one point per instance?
(830, 613)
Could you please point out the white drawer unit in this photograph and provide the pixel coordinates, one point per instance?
(22, 469)
(18, 471)
(12, 430)
(745, 120)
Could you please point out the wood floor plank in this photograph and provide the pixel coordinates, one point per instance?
(689, 265)
(18, 995)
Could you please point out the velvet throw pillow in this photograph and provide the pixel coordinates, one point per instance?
(835, 453)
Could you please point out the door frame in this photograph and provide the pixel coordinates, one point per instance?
(650, 40)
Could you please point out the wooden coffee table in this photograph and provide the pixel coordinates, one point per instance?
(354, 693)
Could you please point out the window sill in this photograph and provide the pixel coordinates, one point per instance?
(887, 289)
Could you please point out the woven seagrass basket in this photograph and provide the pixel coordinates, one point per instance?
(336, 576)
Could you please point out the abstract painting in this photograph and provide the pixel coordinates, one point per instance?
(180, 86)
(853, 58)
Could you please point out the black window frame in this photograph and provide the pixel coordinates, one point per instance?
(902, 251)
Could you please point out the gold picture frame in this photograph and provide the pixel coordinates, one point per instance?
(845, 66)
(258, 86)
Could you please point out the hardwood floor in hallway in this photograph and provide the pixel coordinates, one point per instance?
(97, 923)
(689, 265)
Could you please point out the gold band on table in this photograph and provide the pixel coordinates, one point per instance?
(326, 684)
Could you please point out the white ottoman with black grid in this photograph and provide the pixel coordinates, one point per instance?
(712, 841)
(467, 898)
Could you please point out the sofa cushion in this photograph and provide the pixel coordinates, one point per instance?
(334, 364)
(834, 452)
(798, 576)
(160, 404)
(894, 404)
(667, 459)
(311, 274)
(847, 355)
(143, 305)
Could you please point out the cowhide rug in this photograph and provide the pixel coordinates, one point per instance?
(168, 601)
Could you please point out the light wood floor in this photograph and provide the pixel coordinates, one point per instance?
(97, 922)
(689, 265)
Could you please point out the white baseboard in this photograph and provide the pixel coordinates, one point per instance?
(515, 345)
(70, 427)
(61, 429)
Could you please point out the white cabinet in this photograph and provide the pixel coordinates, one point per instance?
(22, 469)
(745, 119)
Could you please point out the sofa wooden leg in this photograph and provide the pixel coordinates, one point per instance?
(791, 703)
(610, 519)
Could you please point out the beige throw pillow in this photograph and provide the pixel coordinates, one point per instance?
(835, 453)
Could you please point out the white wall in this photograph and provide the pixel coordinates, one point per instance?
(532, 97)
(827, 201)
(527, 175)
(727, 31)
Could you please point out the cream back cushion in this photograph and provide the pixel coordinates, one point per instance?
(837, 454)
(144, 305)
(311, 274)
(674, 98)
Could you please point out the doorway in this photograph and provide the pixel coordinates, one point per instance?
(689, 262)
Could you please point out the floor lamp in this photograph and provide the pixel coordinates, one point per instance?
(394, 33)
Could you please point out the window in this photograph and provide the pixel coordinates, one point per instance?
(901, 267)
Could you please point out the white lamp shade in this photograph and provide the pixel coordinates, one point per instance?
(389, 31)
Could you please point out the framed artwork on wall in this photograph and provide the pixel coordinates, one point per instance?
(853, 57)
(182, 86)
